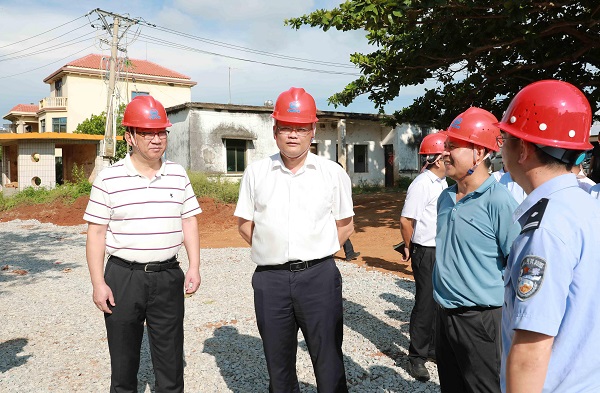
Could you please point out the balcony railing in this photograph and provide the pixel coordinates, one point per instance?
(53, 102)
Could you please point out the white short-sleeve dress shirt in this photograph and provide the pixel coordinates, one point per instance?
(294, 215)
(421, 205)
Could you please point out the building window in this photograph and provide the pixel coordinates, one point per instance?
(58, 88)
(139, 93)
(360, 158)
(236, 155)
(43, 125)
(59, 124)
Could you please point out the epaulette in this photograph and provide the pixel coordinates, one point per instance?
(535, 215)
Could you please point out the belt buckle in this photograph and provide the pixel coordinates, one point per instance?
(302, 266)
(146, 268)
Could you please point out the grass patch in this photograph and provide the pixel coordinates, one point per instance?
(215, 187)
(204, 186)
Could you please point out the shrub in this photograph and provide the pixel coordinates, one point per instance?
(214, 187)
(404, 182)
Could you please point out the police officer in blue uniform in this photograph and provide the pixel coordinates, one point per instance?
(551, 318)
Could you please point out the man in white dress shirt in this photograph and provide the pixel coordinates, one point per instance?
(295, 210)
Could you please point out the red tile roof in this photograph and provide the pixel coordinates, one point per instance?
(135, 66)
(25, 108)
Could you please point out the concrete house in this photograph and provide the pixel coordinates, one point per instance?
(222, 139)
(40, 149)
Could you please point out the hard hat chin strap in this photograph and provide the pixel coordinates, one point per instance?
(427, 162)
(470, 171)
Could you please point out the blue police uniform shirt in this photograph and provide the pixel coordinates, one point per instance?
(473, 238)
(552, 283)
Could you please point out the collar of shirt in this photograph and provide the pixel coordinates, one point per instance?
(277, 163)
(480, 190)
(546, 189)
(432, 176)
(131, 171)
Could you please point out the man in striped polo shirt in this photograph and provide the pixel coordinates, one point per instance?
(141, 210)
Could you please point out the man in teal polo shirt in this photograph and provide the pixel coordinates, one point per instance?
(474, 233)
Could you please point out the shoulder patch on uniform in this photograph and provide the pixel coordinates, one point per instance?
(536, 212)
(531, 276)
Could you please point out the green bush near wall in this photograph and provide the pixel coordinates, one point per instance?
(215, 187)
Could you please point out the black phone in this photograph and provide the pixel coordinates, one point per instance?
(400, 247)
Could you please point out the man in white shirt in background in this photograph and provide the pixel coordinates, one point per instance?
(584, 182)
(506, 180)
(418, 227)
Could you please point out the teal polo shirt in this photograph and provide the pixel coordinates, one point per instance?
(473, 239)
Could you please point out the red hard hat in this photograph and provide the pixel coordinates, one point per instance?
(433, 143)
(145, 112)
(477, 126)
(295, 106)
(550, 113)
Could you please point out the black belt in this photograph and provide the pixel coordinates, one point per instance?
(418, 245)
(460, 310)
(147, 267)
(293, 266)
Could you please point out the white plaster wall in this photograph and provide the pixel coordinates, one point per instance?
(178, 142)
(208, 129)
(4, 169)
(86, 96)
(44, 168)
(197, 142)
(407, 156)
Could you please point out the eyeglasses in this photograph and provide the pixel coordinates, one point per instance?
(301, 131)
(148, 136)
(501, 139)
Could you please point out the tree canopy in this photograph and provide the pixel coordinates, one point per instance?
(479, 52)
(95, 125)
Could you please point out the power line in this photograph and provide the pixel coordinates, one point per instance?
(47, 64)
(47, 31)
(45, 42)
(174, 45)
(52, 48)
(159, 41)
(249, 50)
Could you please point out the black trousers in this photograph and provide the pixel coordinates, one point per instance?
(468, 349)
(422, 317)
(312, 301)
(157, 298)
(348, 248)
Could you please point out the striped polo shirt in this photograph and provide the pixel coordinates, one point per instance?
(144, 216)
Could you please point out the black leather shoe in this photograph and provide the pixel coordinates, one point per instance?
(352, 256)
(417, 369)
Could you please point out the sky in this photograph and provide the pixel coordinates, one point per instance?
(38, 37)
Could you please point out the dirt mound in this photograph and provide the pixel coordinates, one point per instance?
(377, 226)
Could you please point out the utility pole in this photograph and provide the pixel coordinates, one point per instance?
(114, 29)
(230, 85)
(110, 137)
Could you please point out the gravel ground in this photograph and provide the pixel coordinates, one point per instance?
(52, 338)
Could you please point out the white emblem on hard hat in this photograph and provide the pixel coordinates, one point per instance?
(572, 133)
(543, 127)
(513, 119)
